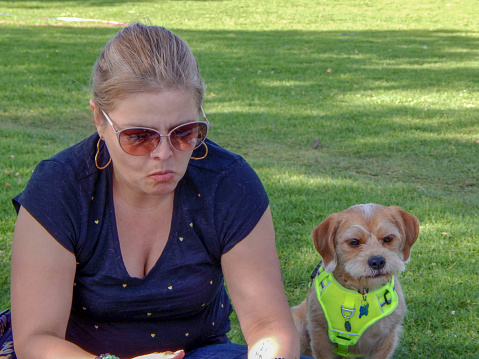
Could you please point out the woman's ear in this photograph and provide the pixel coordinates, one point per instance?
(92, 105)
(97, 117)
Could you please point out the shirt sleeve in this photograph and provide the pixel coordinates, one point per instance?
(241, 201)
(52, 199)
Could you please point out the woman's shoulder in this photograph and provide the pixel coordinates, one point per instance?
(222, 172)
(224, 193)
(62, 177)
(217, 159)
(77, 160)
(60, 190)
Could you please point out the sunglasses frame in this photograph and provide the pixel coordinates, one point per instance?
(118, 133)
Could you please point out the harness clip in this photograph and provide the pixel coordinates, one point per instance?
(387, 297)
(344, 313)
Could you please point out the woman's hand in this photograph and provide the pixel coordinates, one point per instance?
(164, 355)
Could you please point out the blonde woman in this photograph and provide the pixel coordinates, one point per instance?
(123, 241)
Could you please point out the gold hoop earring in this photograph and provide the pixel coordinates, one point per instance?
(96, 156)
(204, 156)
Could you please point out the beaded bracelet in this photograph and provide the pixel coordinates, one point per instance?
(107, 356)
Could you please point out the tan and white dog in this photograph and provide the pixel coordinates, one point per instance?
(355, 305)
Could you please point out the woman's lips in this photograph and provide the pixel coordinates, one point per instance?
(163, 176)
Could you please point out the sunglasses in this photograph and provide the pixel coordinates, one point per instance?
(138, 141)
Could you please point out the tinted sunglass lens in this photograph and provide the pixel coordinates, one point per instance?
(188, 137)
(139, 141)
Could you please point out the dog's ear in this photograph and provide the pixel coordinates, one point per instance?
(323, 238)
(409, 224)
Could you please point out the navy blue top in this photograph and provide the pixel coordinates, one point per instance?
(181, 303)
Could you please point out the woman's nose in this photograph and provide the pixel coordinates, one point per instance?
(164, 150)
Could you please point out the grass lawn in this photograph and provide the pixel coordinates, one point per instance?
(387, 89)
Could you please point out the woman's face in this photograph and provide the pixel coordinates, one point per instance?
(158, 172)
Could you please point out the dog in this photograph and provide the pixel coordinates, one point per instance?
(363, 249)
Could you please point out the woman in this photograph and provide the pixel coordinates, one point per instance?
(122, 241)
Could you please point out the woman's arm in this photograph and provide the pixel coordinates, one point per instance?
(41, 290)
(253, 276)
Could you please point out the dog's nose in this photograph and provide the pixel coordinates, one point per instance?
(377, 262)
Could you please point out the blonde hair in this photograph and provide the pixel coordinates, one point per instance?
(142, 58)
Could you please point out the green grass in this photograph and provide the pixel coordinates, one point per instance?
(388, 88)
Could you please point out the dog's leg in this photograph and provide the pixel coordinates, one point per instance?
(387, 345)
(300, 321)
(321, 346)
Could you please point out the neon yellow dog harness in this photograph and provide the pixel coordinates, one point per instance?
(350, 313)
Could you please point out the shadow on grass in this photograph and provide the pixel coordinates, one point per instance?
(371, 60)
(271, 95)
(45, 77)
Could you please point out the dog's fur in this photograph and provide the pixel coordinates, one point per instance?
(345, 241)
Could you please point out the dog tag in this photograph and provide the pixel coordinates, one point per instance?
(347, 326)
(364, 310)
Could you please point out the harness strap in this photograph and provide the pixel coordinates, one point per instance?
(343, 350)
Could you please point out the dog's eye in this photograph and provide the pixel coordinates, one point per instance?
(354, 242)
(388, 239)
